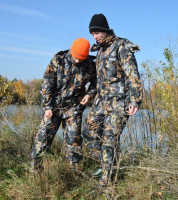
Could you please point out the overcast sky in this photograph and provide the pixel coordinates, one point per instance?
(31, 32)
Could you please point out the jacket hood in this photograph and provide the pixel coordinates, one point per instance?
(133, 47)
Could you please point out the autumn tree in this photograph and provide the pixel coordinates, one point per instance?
(33, 91)
(163, 94)
(18, 92)
(5, 88)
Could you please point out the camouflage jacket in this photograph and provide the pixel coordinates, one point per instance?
(64, 82)
(118, 79)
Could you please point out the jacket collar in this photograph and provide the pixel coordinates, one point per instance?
(107, 42)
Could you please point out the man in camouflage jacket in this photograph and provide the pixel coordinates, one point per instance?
(64, 97)
(119, 93)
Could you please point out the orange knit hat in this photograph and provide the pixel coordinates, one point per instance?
(80, 48)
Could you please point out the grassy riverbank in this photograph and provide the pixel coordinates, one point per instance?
(141, 175)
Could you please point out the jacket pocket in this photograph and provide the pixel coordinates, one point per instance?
(115, 104)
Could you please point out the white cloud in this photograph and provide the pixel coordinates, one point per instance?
(23, 11)
(28, 51)
(28, 38)
(17, 57)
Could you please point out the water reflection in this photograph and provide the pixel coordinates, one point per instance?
(139, 132)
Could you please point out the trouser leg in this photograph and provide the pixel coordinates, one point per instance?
(73, 138)
(44, 138)
(92, 134)
(113, 127)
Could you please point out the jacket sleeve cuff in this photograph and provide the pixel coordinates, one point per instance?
(47, 108)
(92, 95)
(132, 103)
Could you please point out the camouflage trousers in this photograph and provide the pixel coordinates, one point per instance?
(102, 136)
(71, 137)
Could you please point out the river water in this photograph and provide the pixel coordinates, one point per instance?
(138, 134)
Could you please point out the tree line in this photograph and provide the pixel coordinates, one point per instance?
(19, 92)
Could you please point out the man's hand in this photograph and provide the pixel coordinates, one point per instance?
(85, 100)
(48, 114)
(132, 110)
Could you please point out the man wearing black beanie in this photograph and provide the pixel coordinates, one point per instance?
(119, 93)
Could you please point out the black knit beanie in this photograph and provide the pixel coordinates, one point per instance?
(99, 23)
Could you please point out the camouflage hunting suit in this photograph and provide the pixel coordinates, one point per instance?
(62, 90)
(118, 86)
